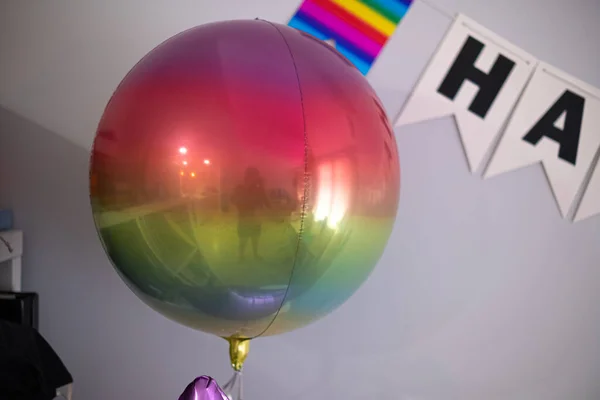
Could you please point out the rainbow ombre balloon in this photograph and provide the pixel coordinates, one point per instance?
(244, 179)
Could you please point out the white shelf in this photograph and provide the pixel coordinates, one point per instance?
(11, 251)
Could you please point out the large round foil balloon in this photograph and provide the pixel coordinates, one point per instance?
(244, 179)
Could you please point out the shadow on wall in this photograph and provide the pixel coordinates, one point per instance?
(85, 309)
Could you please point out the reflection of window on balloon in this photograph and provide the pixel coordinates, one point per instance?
(376, 191)
(333, 197)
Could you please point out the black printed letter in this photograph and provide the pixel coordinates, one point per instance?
(464, 69)
(568, 138)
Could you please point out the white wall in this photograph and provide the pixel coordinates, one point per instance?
(484, 292)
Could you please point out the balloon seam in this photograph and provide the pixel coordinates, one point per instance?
(306, 180)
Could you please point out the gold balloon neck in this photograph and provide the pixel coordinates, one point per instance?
(238, 351)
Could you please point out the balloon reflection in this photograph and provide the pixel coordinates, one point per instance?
(333, 182)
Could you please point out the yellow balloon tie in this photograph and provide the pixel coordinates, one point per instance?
(238, 351)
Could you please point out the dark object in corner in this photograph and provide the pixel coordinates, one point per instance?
(20, 308)
(29, 367)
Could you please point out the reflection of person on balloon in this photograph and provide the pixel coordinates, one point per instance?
(249, 198)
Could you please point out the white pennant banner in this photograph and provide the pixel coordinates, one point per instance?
(476, 76)
(590, 204)
(556, 122)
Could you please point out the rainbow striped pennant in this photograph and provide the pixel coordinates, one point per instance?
(359, 28)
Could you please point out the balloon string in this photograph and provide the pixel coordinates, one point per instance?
(439, 9)
(306, 180)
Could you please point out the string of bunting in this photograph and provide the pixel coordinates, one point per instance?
(523, 111)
